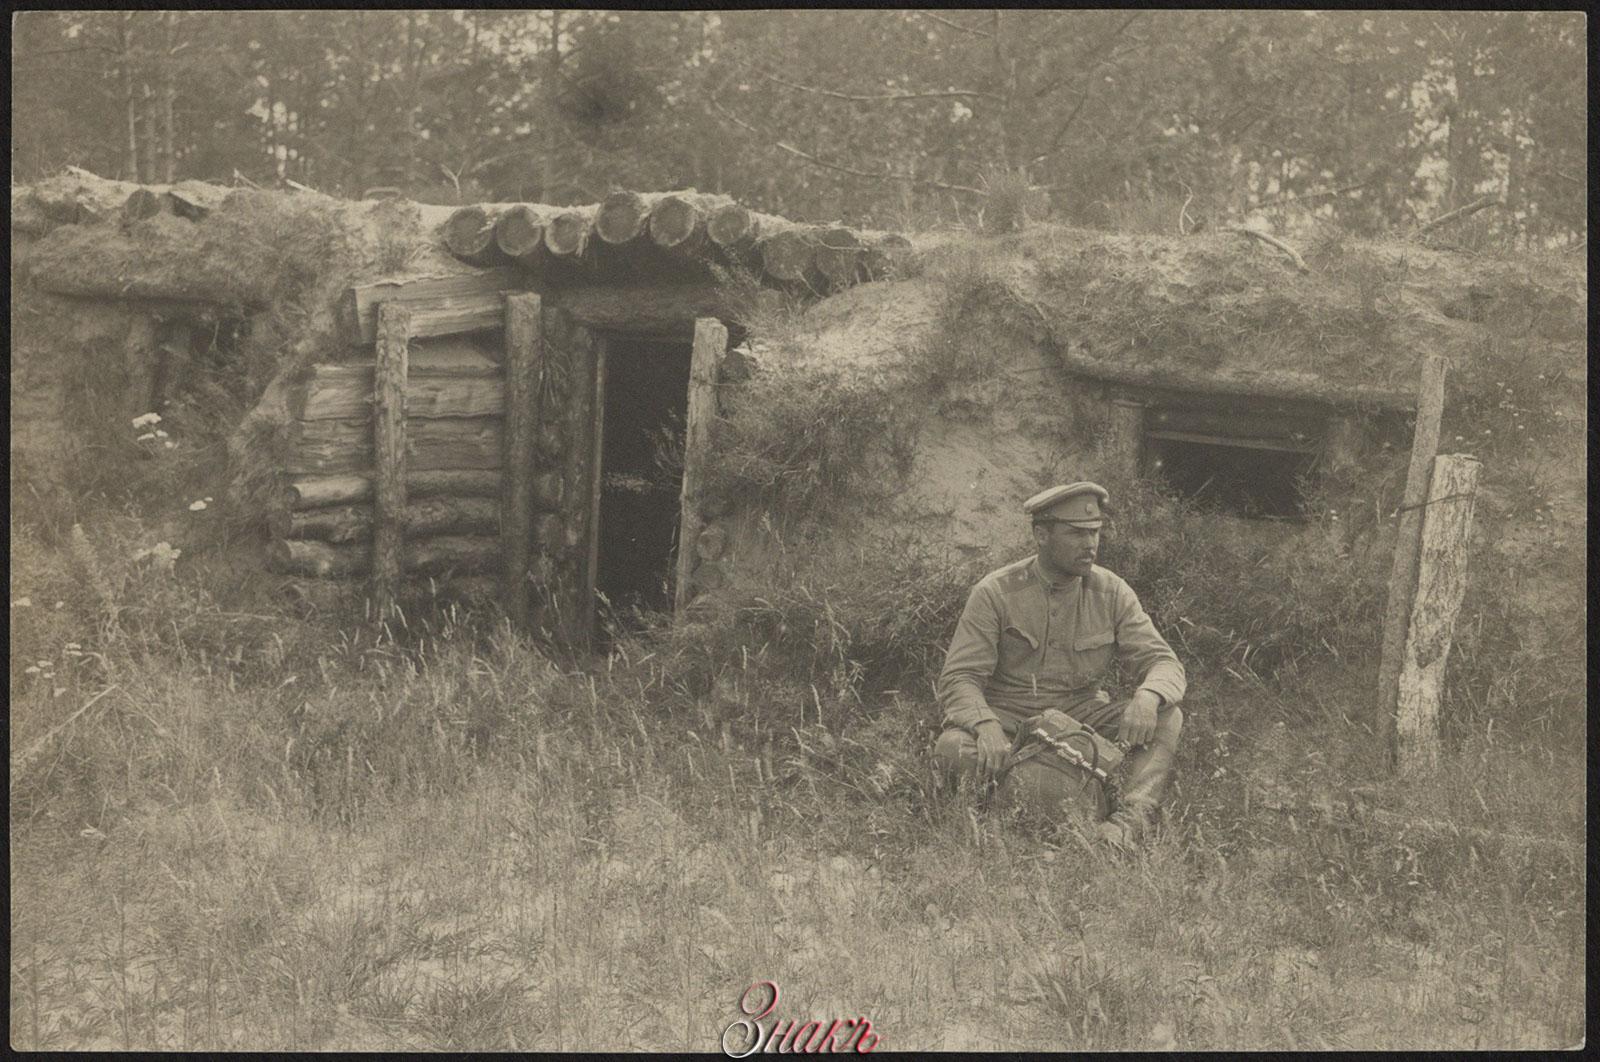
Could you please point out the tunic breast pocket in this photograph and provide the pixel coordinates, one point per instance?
(1018, 650)
(1093, 652)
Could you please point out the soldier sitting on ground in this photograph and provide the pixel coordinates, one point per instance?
(1038, 635)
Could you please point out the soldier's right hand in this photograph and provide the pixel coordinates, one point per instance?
(993, 746)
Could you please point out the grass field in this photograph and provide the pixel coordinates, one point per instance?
(250, 830)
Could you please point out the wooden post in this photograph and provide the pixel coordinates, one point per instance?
(1127, 435)
(1403, 576)
(1441, 582)
(389, 452)
(710, 343)
(524, 362)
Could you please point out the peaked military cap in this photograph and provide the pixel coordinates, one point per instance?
(1079, 504)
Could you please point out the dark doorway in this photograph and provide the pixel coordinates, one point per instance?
(646, 398)
(1245, 480)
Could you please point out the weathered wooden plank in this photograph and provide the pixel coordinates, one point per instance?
(1256, 422)
(317, 491)
(649, 309)
(329, 446)
(389, 454)
(524, 359)
(710, 343)
(439, 305)
(1408, 541)
(1441, 583)
(1290, 386)
(422, 556)
(1307, 446)
(422, 516)
(344, 392)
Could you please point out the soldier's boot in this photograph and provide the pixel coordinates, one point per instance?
(1148, 770)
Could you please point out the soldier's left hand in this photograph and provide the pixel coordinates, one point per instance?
(1138, 723)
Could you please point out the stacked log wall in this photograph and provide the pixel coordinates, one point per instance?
(454, 419)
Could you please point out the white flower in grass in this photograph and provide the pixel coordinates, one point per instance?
(196, 505)
(61, 604)
(145, 420)
(160, 434)
(30, 671)
(169, 444)
(145, 436)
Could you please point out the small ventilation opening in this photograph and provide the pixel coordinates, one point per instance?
(646, 398)
(1250, 480)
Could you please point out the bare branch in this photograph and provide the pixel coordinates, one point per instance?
(1100, 49)
(1459, 212)
(1292, 200)
(1299, 263)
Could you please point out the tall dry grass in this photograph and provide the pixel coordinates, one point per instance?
(266, 832)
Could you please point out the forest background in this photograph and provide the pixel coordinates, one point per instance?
(877, 118)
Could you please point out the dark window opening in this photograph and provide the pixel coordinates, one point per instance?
(646, 398)
(1250, 480)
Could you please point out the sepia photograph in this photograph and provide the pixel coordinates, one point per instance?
(798, 531)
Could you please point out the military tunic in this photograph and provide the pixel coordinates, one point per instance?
(1025, 644)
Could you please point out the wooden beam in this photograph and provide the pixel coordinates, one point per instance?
(1403, 576)
(1252, 419)
(641, 309)
(465, 554)
(422, 517)
(439, 306)
(389, 452)
(330, 446)
(710, 344)
(1242, 441)
(344, 392)
(318, 491)
(524, 344)
(1126, 436)
(1281, 385)
(1441, 583)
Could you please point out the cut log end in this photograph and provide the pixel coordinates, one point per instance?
(731, 226)
(838, 256)
(519, 233)
(622, 217)
(566, 233)
(675, 222)
(469, 235)
(787, 255)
